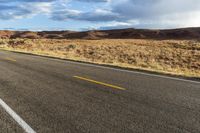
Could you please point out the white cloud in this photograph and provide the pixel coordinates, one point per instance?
(24, 8)
(159, 13)
(147, 13)
(121, 13)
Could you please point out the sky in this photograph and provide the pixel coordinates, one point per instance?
(98, 14)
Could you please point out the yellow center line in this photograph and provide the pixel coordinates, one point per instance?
(101, 83)
(10, 59)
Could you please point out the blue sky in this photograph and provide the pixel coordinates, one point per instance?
(98, 14)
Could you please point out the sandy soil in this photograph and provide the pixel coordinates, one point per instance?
(180, 57)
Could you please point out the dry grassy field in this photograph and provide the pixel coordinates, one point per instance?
(179, 57)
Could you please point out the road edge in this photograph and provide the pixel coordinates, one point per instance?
(16, 117)
(134, 70)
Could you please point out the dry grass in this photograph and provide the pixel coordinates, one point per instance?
(168, 56)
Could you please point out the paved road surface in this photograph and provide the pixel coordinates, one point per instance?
(65, 97)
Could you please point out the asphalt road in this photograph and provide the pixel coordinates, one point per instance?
(57, 96)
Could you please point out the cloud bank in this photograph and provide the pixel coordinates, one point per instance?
(120, 13)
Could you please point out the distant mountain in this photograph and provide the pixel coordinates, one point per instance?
(183, 33)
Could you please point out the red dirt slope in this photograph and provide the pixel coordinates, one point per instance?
(184, 33)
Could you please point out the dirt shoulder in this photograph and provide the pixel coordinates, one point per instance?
(177, 57)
